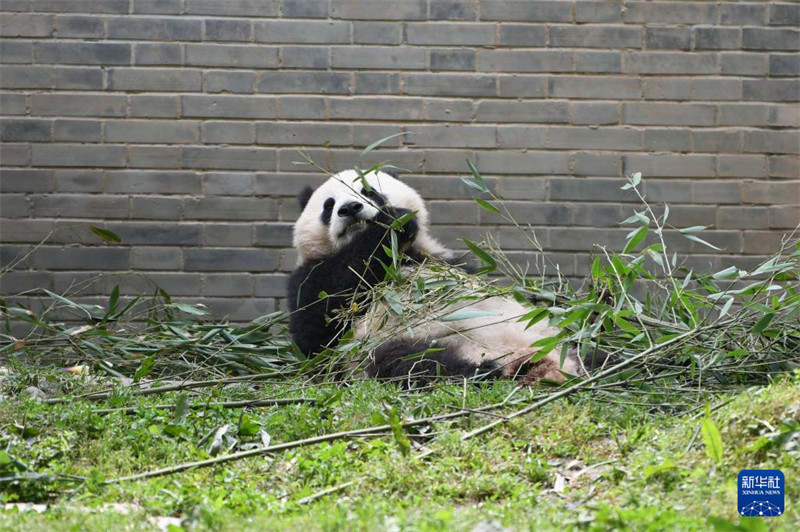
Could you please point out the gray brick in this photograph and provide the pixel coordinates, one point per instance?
(79, 180)
(525, 61)
(228, 183)
(367, 9)
(452, 60)
(234, 56)
(376, 33)
(376, 83)
(743, 114)
(234, 8)
(596, 36)
(224, 158)
(776, 90)
(152, 258)
(154, 106)
(594, 87)
(670, 63)
(668, 114)
(228, 30)
(228, 106)
(79, 78)
(522, 85)
(153, 156)
(227, 235)
(230, 208)
(528, 137)
(14, 155)
(770, 39)
(717, 192)
(16, 52)
(81, 6)
(140, 182)
(784, 217)
(83, 53)
(26, 180)
(771, 141)
(26, 77)
(784, 115)
(82, 258)
(80, 206)
(227, 133)
(304, 134)
(742, 166)
(157, 207)
(232, 82)
(304, 82)
(526, 11)
(25, 130)
(14, 206)
(771, 192)
(27, 231)
(668, 190)
(672, 12)
(311, 57)
(595, 138)
(784, 65)
(743, 14)
(453, 10)
(228, 285)
(230, 259)
(784, 167)
(15, 5)
(77, 26)
(154, 79)
(364, 135)
(668, 38)
(375, 108)
(716, 89)
(12, 104)
(598, 11)
(509, 112)
(305, 9)
(157, 54)
(748, 64)
(271, 285)
(784, 15)
(715, 38)
(447, 34)
(78, 155)
(25, 25)
(717, 141)
(450, 84)
(457, 213)
(743, 217)
(155, 29)
(77, 130)
(522, 35)
(667, 139)
(152, 132)
(587, 189)
(669, 165)
(273, 235)
(451, 136)
(157, 234)
(594, 61)
(301, 107)
(306, 31)
(167, 7)
(378, 57)
(517, 162)
(448, 110)
(593, 113)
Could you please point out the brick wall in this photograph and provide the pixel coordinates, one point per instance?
(176, 124)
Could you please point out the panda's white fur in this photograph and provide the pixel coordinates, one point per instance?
(493, 341)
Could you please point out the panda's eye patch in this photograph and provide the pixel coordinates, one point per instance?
(374, 196)
(327, 209)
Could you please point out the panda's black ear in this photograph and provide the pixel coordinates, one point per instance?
(304, 196)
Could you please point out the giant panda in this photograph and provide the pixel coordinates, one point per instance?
(341, 238)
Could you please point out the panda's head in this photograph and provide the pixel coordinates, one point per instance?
(335, 213)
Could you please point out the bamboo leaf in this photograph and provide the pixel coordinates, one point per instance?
(491, 264)
(761, 324)
(712, 440)
(378, 143)
(105, 234)
(635, 238)
(486, 205)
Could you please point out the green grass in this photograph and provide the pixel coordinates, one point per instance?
(524, 474)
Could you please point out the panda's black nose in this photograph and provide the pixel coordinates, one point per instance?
(349, 209)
